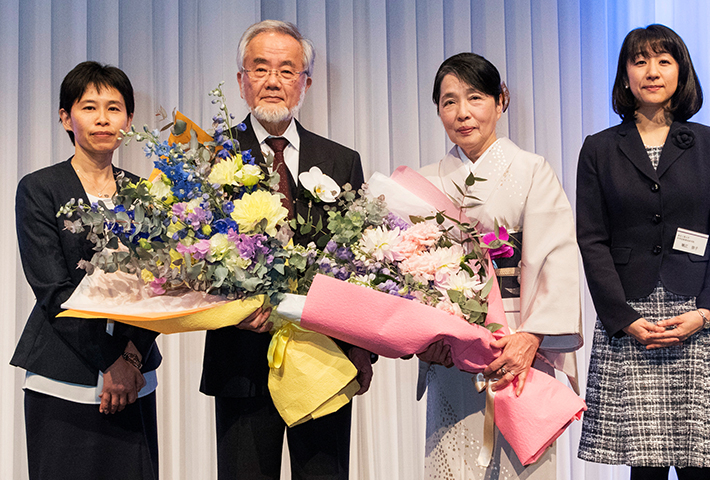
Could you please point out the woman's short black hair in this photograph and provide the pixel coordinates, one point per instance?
(100, 76)
(473, 70)
(653, 40)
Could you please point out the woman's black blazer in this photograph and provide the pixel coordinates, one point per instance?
(628, 215)
(67, 349)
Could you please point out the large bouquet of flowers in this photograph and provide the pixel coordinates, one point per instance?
(207, 221)
(437, 260)
(201, 245)
(419, 298)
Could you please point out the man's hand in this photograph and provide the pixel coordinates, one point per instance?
(257, 321)
(438, 353)
(122, 382)
(361, 360)
(518, 355)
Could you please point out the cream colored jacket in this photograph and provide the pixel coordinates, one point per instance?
(522, 192)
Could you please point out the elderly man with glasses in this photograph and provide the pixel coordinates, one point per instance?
(275, 65)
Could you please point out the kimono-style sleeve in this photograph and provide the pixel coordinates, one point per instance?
(549, 293)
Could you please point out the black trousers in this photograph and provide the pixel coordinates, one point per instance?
(250, 435)
(661, 473)
(67, 440)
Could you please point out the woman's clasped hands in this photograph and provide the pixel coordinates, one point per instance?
(669, 332)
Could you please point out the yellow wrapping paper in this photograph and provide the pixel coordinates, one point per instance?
(314, 378)
(207, 318)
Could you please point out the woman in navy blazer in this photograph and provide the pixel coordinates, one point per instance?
(90, 384)
(643, 215)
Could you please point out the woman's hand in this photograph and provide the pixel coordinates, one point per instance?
(438, 353)
(122, 382)
(257, 321)
(518, 355)
(678, 329)
(646, 333)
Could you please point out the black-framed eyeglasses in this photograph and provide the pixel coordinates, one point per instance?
(286, 75)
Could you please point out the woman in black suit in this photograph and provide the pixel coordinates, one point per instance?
(90, 384)
(643, 215)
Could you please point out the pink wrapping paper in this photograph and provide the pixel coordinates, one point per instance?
(394, 327)
(533, 421)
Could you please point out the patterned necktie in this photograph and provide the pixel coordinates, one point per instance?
(278, 144)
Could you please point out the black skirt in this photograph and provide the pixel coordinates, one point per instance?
(67, 440)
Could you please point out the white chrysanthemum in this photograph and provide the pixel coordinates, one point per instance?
(448, 261)
(380, 243)
(461, 282)
(321, 186)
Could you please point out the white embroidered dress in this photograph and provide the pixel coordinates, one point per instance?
(521, 190)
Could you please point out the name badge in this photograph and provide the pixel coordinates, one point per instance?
(689, 241)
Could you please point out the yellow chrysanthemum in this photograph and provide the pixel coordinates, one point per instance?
(254, 207)
(249, 175)
(224, 172)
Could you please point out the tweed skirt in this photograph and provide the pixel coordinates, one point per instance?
(649, 407)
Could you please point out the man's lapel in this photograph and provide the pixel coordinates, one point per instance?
(247, 141)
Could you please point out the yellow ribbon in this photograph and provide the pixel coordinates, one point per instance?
(279, 341)
(486, 453)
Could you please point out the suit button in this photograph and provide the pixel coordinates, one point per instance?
(655, 187)
(657, 250)
(657, 218)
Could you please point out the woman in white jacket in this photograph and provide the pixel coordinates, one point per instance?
(540, 284)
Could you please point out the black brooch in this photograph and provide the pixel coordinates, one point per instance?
(683, 138)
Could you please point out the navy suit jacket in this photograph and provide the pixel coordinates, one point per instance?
(628, 215)
(235, 360)
(66, 349)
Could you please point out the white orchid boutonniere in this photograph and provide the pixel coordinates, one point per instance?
(320, 186)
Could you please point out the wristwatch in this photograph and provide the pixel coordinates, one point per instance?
(706, 322)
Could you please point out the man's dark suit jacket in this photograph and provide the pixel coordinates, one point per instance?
(235, 360)
(628, 214)
(66, 349)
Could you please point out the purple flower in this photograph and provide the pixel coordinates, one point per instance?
(252, 246)
(501, 251)
(331, 246)
(241, 127)
(344, 253)
(393, 221)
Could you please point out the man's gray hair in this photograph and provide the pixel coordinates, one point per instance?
(287, 28)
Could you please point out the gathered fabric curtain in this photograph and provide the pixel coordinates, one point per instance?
(375, 65)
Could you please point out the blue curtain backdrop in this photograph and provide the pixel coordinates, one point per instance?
(375, 64)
